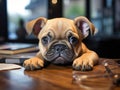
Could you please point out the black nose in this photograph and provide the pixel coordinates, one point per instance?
(59, 47)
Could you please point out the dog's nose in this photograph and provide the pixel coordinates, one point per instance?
(59, 47)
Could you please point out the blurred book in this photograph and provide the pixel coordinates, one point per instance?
(16, 58)
(15, 48)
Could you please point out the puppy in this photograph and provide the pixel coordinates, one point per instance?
(60, 42)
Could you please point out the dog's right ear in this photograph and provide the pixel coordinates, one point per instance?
(35, 26)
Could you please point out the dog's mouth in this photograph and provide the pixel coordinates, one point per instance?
(60, 60)
(60, 54)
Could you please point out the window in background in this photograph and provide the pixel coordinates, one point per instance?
(102, 16)
(96, 14)
(21, 11)
(108, 17)
(73, 8)
(117, 17)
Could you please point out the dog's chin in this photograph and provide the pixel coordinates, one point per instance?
(60, 61)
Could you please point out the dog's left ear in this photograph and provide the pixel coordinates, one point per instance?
(36, 25)
(84, 25)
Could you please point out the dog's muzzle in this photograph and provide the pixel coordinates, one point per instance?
(60, 54)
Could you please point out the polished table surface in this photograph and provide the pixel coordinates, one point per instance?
(55, 78)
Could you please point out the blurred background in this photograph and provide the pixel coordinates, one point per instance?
(104, 14)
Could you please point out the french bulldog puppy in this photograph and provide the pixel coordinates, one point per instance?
(60, 42)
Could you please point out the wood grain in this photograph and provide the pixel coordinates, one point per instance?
(56, 78)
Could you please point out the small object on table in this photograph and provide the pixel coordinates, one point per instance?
(115, 77)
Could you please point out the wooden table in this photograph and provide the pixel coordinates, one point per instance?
(53, 78)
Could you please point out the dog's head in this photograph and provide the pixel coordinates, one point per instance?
(60, 38)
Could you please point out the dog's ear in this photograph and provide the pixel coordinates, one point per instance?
(84, 25)
(35, 25)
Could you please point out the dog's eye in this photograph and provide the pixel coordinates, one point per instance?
(73, 40)
(45, 40)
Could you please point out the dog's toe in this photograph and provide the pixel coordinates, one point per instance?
(86, 68)
(82, 67)
(32, 67)
(27, 67)
(78, 68)
(33, 64)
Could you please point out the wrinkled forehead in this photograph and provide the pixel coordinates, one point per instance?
(59, 26)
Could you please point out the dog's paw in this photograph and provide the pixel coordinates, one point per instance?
(83, 64)
(33, 63)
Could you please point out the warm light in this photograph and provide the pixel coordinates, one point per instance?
(54, 1)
